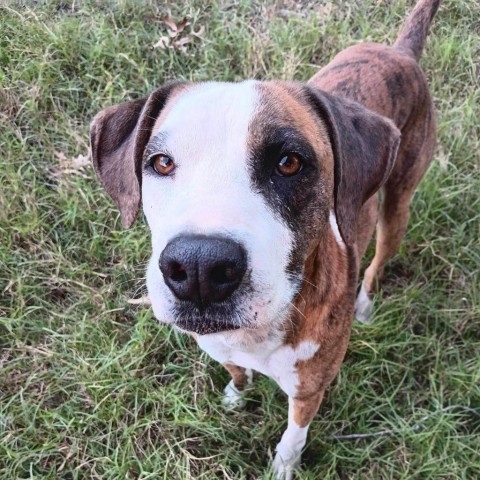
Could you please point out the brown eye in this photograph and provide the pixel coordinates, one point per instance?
(163, 164)
(289, 165)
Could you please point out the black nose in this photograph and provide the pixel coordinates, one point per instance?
(203, 269)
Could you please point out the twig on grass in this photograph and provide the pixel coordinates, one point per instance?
(418, 426)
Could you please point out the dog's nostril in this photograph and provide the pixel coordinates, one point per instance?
(222, 274)
(177, 272)
(202, 269)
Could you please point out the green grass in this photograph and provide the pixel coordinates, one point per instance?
(91, 387)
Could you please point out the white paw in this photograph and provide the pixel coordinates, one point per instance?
(284, 466)
(233, 398)
(363, 307)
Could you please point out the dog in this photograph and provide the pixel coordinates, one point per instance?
(262, 198)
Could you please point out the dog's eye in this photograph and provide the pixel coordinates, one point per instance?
(289, 165)
(162, 164)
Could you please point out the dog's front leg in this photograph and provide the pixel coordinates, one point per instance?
(235, 389)
(300, 413)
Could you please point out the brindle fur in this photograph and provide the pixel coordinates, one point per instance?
(388, 81)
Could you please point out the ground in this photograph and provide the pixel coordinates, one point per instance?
(90, 386)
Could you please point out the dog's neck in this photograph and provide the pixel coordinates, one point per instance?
(326, 298)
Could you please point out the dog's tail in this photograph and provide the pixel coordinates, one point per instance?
(415, 30)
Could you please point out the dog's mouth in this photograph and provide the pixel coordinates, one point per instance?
(215, 318)
(203, 327)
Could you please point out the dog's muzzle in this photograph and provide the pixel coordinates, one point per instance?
(203, 271)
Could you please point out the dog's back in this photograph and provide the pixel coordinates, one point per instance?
(385, 79)
(389, 81)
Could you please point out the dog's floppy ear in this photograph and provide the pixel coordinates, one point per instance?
(364, 146)
(118, 136)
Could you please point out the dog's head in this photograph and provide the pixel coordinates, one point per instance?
(239, 182)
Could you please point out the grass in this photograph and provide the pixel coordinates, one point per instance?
(91, 387)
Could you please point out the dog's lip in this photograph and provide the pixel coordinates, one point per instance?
(204, 328)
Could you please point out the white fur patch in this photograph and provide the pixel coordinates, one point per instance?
(282, 363)
(269, 356)
(289, 450)
(333, 223)
(206, 133)
(363, 307)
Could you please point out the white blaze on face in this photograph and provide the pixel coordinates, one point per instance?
(206, 134)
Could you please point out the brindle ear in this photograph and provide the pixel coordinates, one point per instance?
(364, 145)
(118, 136)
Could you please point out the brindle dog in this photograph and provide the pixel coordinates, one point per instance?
(262, 198)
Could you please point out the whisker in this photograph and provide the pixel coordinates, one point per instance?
(124, 282)
(140, 290)
(301, 296)
(295, 277)
(310, 283)
(287, 322)
(296, 310)
(141, 265)
(131, 280)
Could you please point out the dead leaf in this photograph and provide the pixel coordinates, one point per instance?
(81, 161)
(181, 26)
(170, 23)
(175, 28)
(174, 31)
(200, 32)
(66, 166)
(181, 42)
(442, 157)
(326, 9)
(163, 43)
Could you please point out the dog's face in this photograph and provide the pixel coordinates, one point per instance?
(230, 150)
(239, 182)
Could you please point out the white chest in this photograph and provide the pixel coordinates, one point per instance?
(269, 356)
